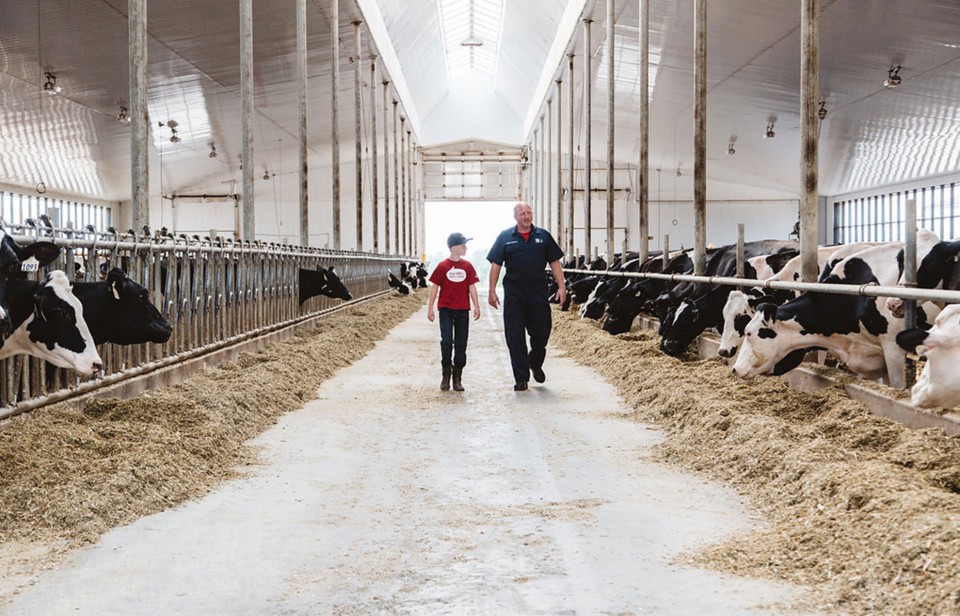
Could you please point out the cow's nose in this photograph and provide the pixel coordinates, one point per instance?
(96, 367)
(723, 353)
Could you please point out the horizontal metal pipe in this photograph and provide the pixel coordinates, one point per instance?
(204, 245)
(864, 290)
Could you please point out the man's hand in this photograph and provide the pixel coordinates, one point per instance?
(492, 299)
(430, 314)
(562, 295)
(476, 313)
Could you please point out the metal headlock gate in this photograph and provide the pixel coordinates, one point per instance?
(214, 293)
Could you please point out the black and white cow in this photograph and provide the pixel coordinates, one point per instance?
(860, 331)
(321, 281)
(48, 322)
(119, 310)
(607, 289)
(15, 262)
(937, 267)
(402, 287)
(410, 274)
(741, 305)
(624, 307)
(939, 383)
(421, 276)
(703, 306)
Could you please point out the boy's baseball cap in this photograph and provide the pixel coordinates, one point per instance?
(455, 239)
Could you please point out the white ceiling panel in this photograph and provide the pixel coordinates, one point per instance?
(871, 136)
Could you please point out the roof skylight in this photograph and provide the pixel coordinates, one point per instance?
(471, 34)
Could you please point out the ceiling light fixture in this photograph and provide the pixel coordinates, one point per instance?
(172, 124)
(769, 134)
(822, 112)
(893, 78)
(471, 42)
(213, 150)
(50, 86)
(123, 116)
(730, 150)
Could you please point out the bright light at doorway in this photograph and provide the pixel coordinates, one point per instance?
(481, 220)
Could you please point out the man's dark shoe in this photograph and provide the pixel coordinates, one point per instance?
(538, 375)
(520, 386)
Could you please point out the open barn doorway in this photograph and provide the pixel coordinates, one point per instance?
(481, 220)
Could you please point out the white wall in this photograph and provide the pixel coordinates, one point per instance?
(277, 209)
(764, 219)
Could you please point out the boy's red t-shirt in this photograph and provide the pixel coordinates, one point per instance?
(454, 279)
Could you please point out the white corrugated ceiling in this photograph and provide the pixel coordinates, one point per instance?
(872, 136)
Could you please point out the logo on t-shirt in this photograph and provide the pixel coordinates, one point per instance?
(456, 275)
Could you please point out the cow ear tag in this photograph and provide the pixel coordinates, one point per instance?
(30, 265)
(116, 294)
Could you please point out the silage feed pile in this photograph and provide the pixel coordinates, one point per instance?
(67, 474)
(860, 508)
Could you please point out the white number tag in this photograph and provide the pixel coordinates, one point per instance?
(30, 265)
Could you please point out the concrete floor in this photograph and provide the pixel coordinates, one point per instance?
(387, 496)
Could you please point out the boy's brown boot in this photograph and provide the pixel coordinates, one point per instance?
(457, 373)
(445, 383)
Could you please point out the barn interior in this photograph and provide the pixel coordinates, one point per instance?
(274, 179)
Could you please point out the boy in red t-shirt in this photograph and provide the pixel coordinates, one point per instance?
(455, 281)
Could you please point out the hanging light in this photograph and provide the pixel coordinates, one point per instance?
(50, 86)
(213, 150)
(172, 125)
(822, 112)
(893, 78)
(123, 116)
(730, 150)
(769, 134)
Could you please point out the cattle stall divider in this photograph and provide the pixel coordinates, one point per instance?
(214, 293)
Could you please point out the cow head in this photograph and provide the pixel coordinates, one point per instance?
(624, 307)
(684, 327)
(944, 333)
(397, 284)
(56, 329)
(136, 319)
(15, 262)
(664, 305)
(759, 353)
(596, 303)
(737, 312)
(579, 291)
(322, 282)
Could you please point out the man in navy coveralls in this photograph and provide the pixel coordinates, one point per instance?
(525, 250)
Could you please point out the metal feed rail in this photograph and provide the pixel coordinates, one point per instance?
(213, 293)
(865, 290)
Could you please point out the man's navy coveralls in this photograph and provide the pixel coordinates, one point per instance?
(525, 307)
